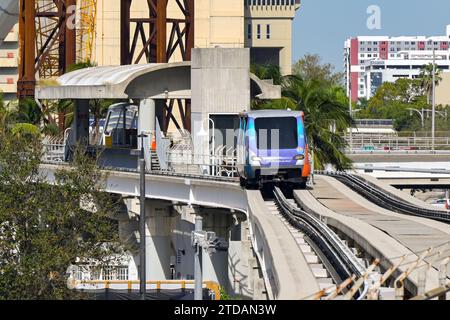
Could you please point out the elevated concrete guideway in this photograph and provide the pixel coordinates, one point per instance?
(385, 185)
(191, 191)
(286, 272)
(284, 265)
(381, 233)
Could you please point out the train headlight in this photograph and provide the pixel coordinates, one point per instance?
(255, 158)
(299, 157)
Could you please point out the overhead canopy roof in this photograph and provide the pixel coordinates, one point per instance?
(156, 81)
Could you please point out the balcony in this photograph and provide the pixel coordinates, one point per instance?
(8, 58)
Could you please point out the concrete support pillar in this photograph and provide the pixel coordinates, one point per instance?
(158, 240)
(241, 262)
(183, 225)
(128, 233)
(146, 123)
(80, 125)
(215, 266)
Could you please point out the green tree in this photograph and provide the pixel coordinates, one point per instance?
(394, 101)
(267, 72)
(426, 76)
(310, 67)
(46, 228)
(29, 112)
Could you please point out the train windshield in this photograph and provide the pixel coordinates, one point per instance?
(276, 133)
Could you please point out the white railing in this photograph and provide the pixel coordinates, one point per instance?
(364, 141)
(178, 158)
(186, 162)
(90, 273)
(54, 149)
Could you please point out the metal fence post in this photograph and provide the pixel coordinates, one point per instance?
(421, 283)
(198, 291)
(443, 276)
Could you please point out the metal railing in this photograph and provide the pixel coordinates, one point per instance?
(175, 156)
(212, 286)
(54, 149)
(387, 142)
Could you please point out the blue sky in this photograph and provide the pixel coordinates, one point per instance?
(321, 26)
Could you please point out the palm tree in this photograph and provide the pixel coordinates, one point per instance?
(29, 112)
(267, 72)
(426, 75)
(325, 108)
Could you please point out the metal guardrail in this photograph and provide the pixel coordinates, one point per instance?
(395, 142)
(428, 152)
(342, 258)
(399, 169)
(53, 149)
(134, 284)
(385, 199)
(220, 168)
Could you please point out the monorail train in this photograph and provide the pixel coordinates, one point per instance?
(272, 147)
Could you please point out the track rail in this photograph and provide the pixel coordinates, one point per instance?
(387, 200)
(342, 259)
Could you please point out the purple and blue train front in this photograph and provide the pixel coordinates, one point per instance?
(278, 150)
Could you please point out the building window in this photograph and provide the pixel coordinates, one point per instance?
(249, 31)
(258, 33)
(268, 31)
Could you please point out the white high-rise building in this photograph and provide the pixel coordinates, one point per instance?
(370, 61)
(9, 60)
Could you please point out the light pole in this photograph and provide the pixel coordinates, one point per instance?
(205, 133)
(198, 276)
(421, 113)
(142, 251)
(350, 95)
(433, 116)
